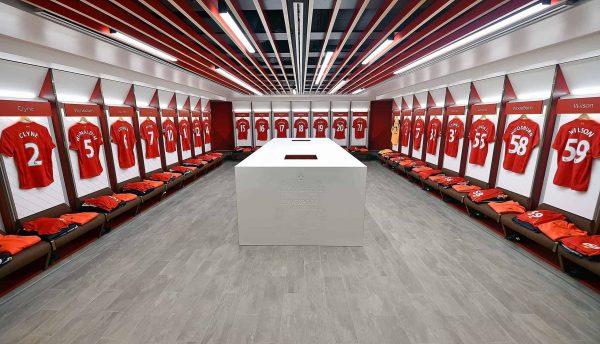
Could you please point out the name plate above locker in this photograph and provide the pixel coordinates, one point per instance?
(82, 110)
(484, 109)
(24, 108)
(519, 108)
(578, 105)
(120, 111)
(455, 110)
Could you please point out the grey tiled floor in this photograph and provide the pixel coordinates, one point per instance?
(427, 274)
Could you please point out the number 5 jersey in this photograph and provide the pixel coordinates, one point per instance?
(86, 140)
(30, 144)
(577, 144)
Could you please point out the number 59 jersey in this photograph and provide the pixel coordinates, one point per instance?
(30, 144)
(520, 138)
(577, 144)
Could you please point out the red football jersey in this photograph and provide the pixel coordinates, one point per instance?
(197, 132)
(418, 130)
(242, 126)
(360, 125)
(577, 144)
(455, 131)
(433, 132)
(281, 127)
(170, 132)
(30, 144)
(521, 137)
(588, 245)
(121, 133)
(149, 133)
(301, 126)
(262, 129)
(320, 125)
(405, 131)
(184, 129)
(482, 133)
(207, 130)
(339, 125)
(86, 140)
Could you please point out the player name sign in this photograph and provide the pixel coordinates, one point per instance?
(285, 199)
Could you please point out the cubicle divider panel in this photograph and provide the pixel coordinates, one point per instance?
(396, 123)
(572, 180)
(29, 198)
(124, 147)
(482, 138)
(454, 137)
(197, 132)
(207, 124)
(150, 130)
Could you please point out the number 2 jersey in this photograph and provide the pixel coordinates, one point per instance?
(577, 144)
(86, 140)
(30, 144)
(520, 138)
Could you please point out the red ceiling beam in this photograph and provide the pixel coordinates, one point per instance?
(419, 21)
(212, 9)
(384, 9)
(246, 25)
(359, 9)
(75, 10)
(436, 38)
(187, 37)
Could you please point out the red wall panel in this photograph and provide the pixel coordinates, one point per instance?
(380, 123)
(222, 126)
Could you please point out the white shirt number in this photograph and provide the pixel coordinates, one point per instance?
(577, 150)
(33, 161)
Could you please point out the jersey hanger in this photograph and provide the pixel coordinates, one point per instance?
(523, 116)
(584, 116)
(83, 120)
(25, 119)
(483, 116)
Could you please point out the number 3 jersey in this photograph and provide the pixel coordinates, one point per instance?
(520, 138)
(482, 133)
(30, 144)
(577, 144)
(86, 140)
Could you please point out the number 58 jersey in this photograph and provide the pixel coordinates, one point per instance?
(520, 138)
(577, 144)
(30, 144)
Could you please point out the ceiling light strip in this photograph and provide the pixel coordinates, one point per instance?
(338, 86)
(237, 80)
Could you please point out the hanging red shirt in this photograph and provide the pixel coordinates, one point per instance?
(418, 133)
(262, 129)
(207, 131)
(149, 133)
(86, 140)
(405, 131)
(281, 127)
(184, 129)
(433, 132)
(170, 133)
(339, 125)
(301, 126)
(482, 133)
(360, 126)
(577, 144)
(521, 137)
(30, 144)
(121, 133)
(455, 131)
(242, 126)
(197, 132)
(320, 125)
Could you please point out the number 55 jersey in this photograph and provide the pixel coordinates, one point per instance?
(577, 144)
(30, 144)
(521, 137)
(483, 132)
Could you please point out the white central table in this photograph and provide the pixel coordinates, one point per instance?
(315, 196)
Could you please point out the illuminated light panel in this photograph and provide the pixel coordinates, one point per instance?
(323, 67)
(358, 91)
(237, 80)
(143, 46)
(338, 86)
(237, 31)
(375, 54)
